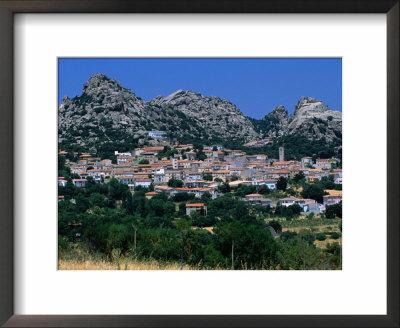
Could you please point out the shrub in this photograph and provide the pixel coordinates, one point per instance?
(333, 211)
(288, 235)
(275, 225)
(213, 257)
(320, 236)
(335, 235)
(308, 237)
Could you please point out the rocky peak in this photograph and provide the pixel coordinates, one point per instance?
(309, 103)
(311, 118)
(182, 97)
(210, 112)
(107, 106)
(100, 83)
(306, 100)
(100, 96)
(279, 113)
(174, 95)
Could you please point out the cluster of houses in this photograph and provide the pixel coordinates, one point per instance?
(203, 176)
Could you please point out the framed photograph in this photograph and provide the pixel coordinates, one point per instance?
(182, 164)
(188, 180)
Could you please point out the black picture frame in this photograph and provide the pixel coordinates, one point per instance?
(10, 7)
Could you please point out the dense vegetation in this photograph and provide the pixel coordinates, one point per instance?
(106, 219)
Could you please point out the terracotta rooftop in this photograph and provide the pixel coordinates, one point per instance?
(195, 205)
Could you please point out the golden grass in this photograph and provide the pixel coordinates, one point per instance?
(316, 229)
(124, 265)
(334, 192)
(209, 229)
(323, 243)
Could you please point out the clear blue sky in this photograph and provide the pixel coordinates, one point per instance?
(255, 85)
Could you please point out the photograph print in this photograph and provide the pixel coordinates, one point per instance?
(199, 163)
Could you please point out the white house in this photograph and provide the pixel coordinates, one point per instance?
(157, 134)
(338, 181)
(312, 207)
(201, 191)
(271, 184)
(331, 199)
(79, 183)
(198, 207)
(96, 174)
(143, 182)
(194, 176)
(288, 201)
(122, 159)
(123, 154)
(62, 183)
(159, 178)
(322, 163)
(126, 179)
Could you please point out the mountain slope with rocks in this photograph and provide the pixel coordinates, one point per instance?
(108, 117)
(107, 112)
(311, 118)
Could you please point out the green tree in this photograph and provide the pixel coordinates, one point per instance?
(296, 209)
(332, 211)
(181, 197)
(281, 184)
(82, 203)
(213, 258)
(328, 182)
(201, 156)
(159, 243)
(276, 225)
(299, 177)
(119, 237)
(144, 161)
(175, 183)
(234, 178)
(313, 191)
(226, 234)
(97, 199)
(263, 189)
(205, 197)
(116, 189)
(297, 253)
(249, 246)
(224, 188)
(208, 177)
(335, 235)
(184, 226)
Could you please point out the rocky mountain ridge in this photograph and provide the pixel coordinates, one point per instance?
(311, 118)
(107, 115)
(106, 104)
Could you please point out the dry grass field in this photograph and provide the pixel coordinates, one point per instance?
(325, 228)
(323, 243)
(124, 265)
(333, 192)
(315, 229)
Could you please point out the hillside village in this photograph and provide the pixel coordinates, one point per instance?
(210, 170)
(189, 181)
